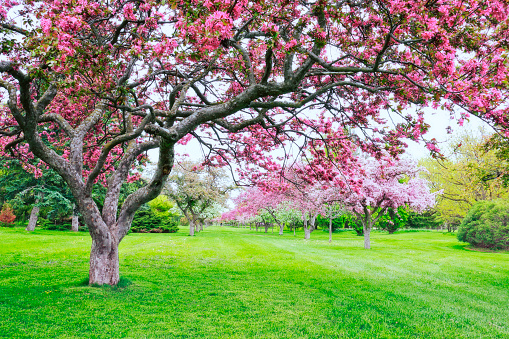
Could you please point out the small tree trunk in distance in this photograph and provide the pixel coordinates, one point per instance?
(367, 230)
(75, 223)
(312, 221)
(266, 227)
(32, 222)
(305, 226)
(330, 230)
(307, 233)
(281, 226)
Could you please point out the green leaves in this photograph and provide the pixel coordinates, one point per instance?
(147, 220)
(486, 225)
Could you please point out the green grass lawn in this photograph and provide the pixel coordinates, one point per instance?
(236, 283)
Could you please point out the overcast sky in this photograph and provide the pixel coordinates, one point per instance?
(438, 130)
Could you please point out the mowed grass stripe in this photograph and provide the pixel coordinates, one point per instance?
(237, 283)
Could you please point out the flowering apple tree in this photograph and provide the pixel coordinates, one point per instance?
(255, 202)
(385, 185)
(90, 86)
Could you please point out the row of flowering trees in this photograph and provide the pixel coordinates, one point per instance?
(380, 185)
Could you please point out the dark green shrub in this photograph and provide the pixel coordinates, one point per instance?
(349, 220)
(146, 221)
(427, 219)
(392, 220)
(49, 225)
(486, 225)
(346, 220)
(323, 222)
(83, 228)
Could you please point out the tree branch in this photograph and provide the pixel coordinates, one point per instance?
(110, 145)
(247, 62)
(15, 28)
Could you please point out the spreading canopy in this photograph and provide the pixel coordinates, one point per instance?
(90, 86)
(390, 185)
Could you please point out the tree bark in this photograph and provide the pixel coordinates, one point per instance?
(307, 233)
(32, 222)
(368, 221)
(367, 230)
(191, 228)
(75, 223)
(312, 222)
(311, 227)
(104, 264)
(266, 227)
(281, 227)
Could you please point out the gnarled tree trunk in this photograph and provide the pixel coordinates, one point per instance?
(281, 227)
(106, 229)
(32, 222)
(104, 264)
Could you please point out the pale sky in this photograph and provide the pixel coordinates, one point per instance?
(438, 121)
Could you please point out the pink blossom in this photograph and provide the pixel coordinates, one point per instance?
(46, 25)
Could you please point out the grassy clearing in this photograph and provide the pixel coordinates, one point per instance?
(236, 283)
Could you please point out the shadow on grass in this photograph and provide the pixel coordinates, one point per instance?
(487, 250)
(122, 283)
(462, 247)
